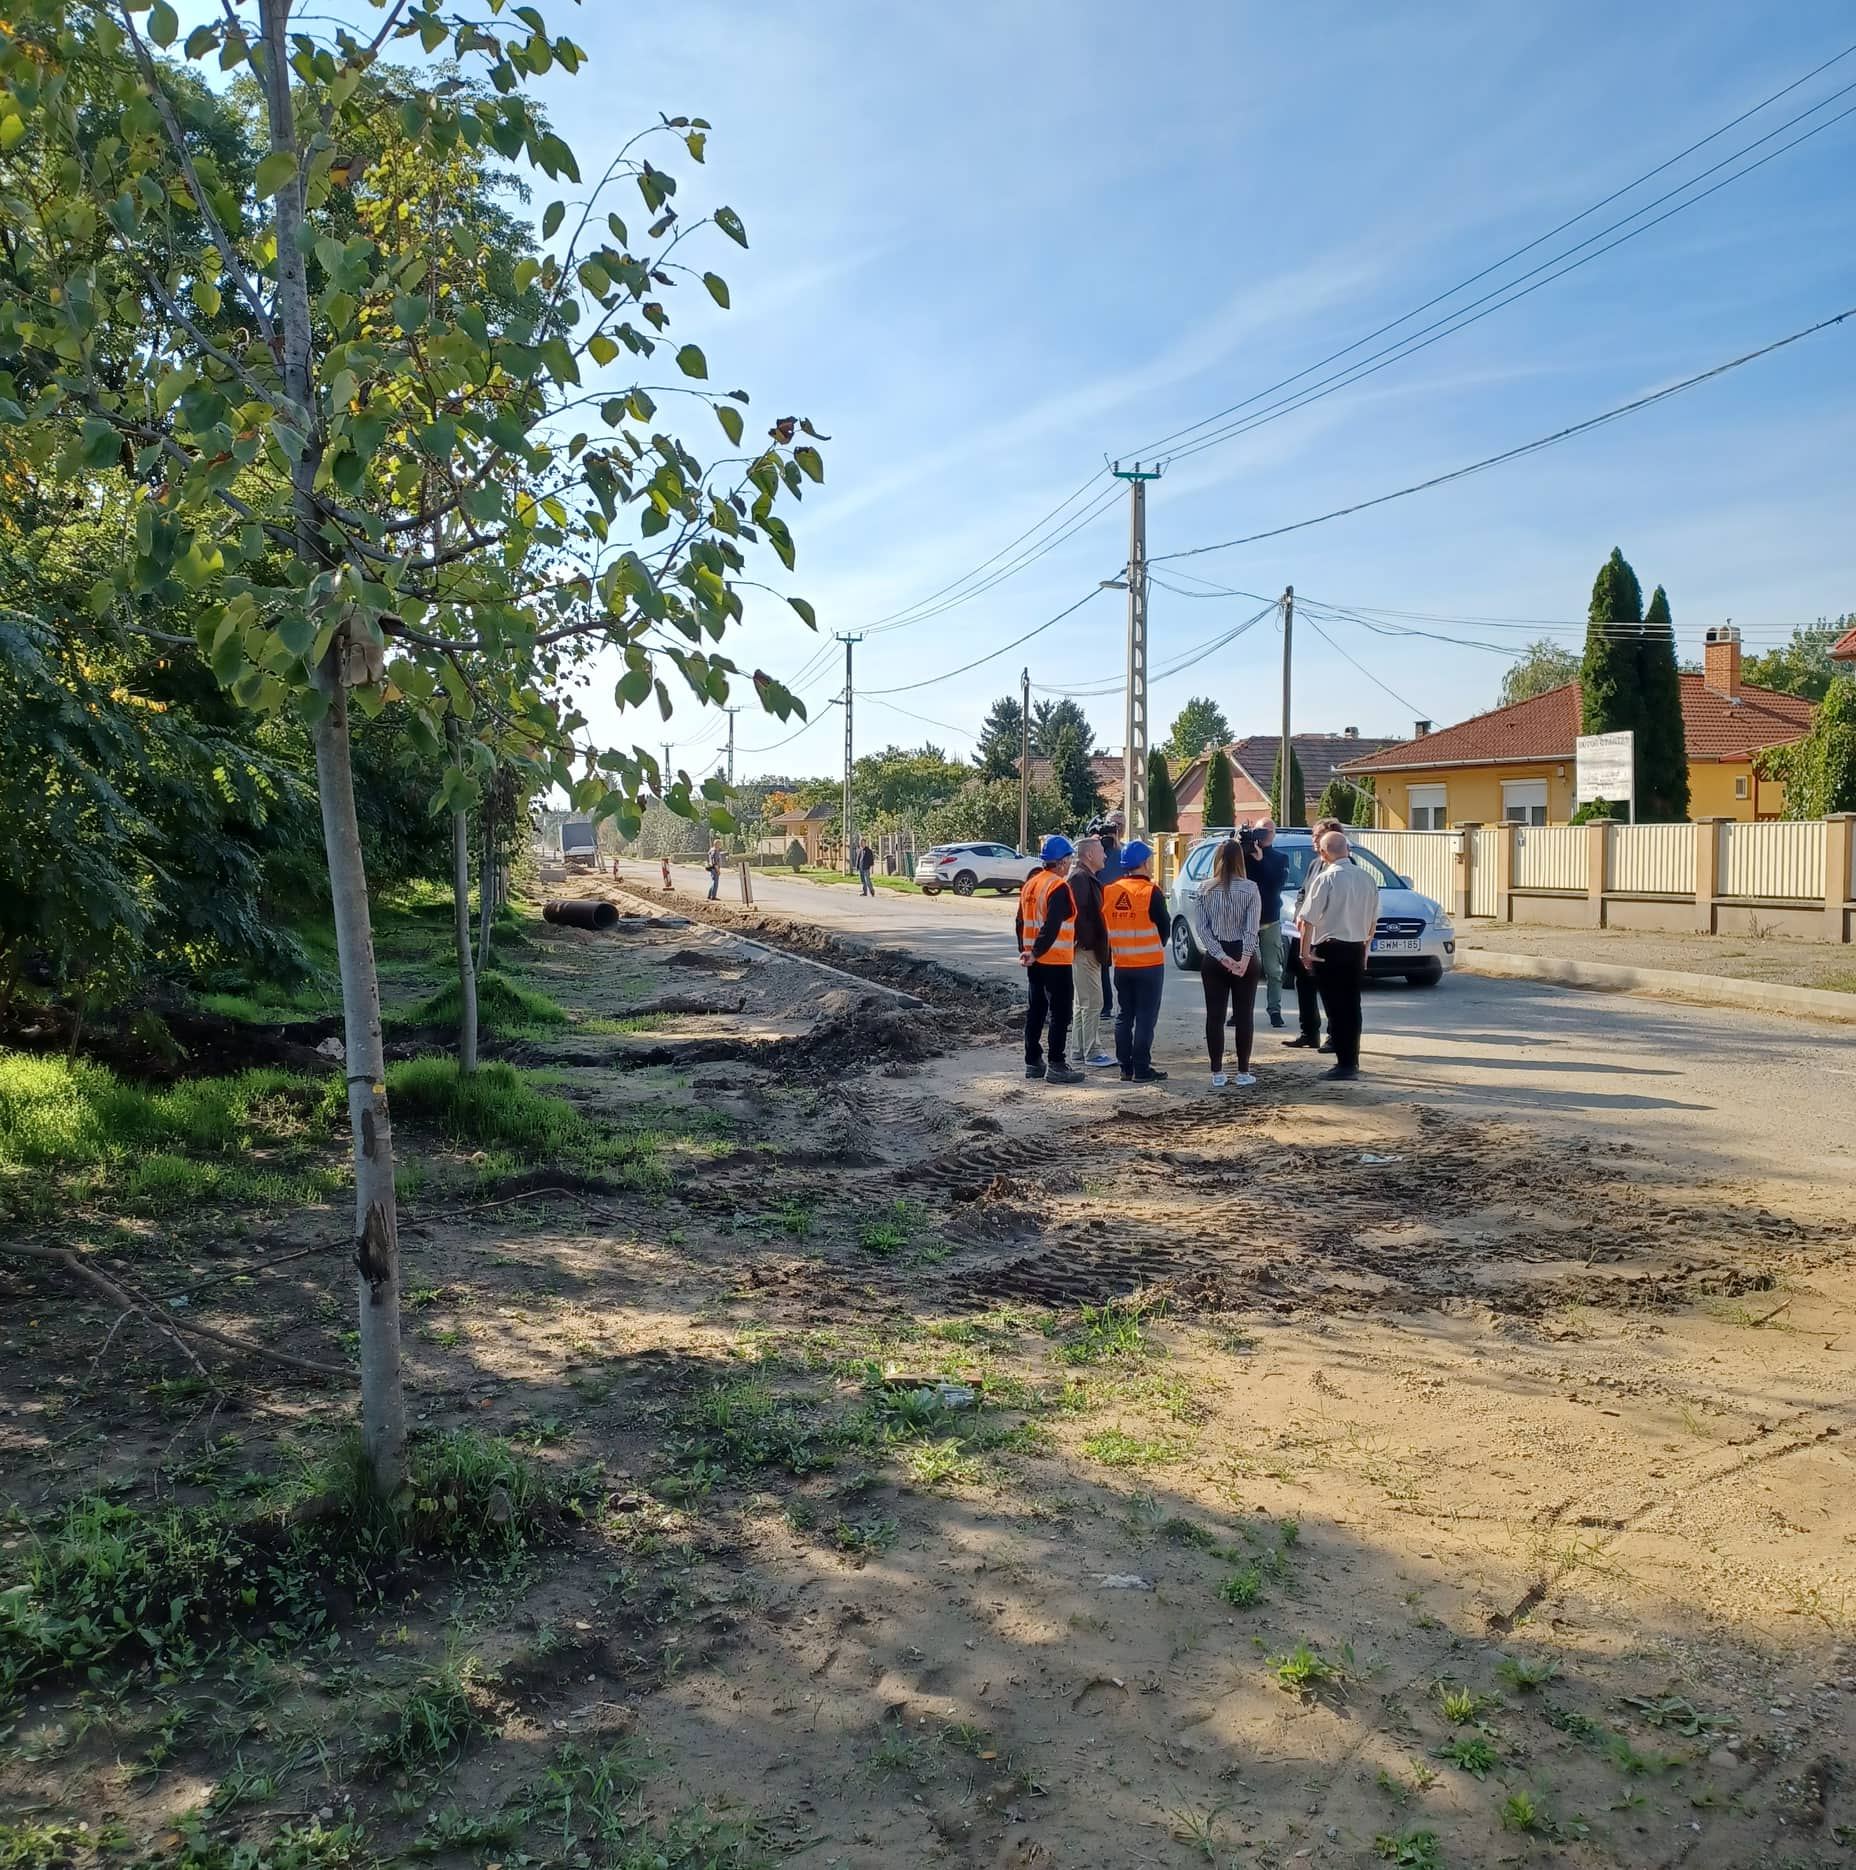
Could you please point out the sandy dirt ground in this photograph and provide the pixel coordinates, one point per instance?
(991, 1478)
(1791, 963)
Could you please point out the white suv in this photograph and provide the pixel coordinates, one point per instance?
(964, 868)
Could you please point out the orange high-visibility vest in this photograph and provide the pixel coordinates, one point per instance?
(1031, 900)
(1127, 908)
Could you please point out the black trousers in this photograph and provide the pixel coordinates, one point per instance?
(1137, 1012)
(1307, 1001)
(1108, 989)
(1340, 972)
(1053, 1001)
(1239, 993)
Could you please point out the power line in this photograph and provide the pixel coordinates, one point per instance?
(927, 720)
(790, 738)
(1444, 327)
(991, 655)
(1506, 260)
(1526, 448)
(1110, 685)
(1363, 669)
(1360, 613)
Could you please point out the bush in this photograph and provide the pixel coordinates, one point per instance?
(795, 855)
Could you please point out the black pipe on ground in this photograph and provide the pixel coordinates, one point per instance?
(580, 912)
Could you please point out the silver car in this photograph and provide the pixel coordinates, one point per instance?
(964, 868)
(1414, 936)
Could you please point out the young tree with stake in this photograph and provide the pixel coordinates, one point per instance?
(366, 495)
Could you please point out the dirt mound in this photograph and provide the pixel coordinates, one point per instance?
(705, 959)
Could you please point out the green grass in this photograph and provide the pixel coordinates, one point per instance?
(428, 1722)
(1242, 1588)
(254, 1136)
(1105, 1333)
(102, 1582)
(1115, 1447)
(1473, 1753)
(503, 1006)
(1411, 1850)
(498, 1107)
(1305, 1669)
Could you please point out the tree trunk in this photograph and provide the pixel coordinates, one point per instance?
(376, 1236)
(460, 899)
(486, 882)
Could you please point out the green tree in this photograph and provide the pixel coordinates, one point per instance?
(1609, 674)
(996, 754)
(365, 497)
(1819, 771)
(1802, 666)
(904, 782)
(1349, 800)
(1296, 812)
(1662, 744)
(1073, 776)
(985, 811)
(1162, 805)
(1051, 720)
(1198, 725)
(1220, 791)
(1541, 666)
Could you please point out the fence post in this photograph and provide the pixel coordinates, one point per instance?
(1839, 883)
(1707, 872)
(747, 882)
(1465, 870)
(1597, 868)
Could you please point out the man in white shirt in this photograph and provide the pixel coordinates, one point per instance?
(1338, 913)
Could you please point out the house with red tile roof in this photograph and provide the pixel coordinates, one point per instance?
(1253, 772)
(1518, 762)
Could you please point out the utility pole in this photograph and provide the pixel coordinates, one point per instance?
(664, 776)
(1024, 758)
(1286, 756)
(731, 712)
(1134, 754)
(850, 861)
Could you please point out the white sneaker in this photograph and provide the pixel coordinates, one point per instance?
(1242, 1079)
(1218, 1081)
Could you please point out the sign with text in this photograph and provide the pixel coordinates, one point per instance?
(1606, 769)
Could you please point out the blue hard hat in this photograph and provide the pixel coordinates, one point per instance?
(1055, 848)
(1135, 854)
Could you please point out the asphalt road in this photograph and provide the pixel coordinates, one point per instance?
(1734, 1093)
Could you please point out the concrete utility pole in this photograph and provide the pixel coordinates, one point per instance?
(1134, 754)
(850, 856)
(731, 712)
(1024, 757)
(1286, 756)
(664, 776)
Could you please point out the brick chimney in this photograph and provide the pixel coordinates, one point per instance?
(1420, 729)
(1720, 660)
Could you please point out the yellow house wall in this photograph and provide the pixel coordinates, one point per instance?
(1474, 793)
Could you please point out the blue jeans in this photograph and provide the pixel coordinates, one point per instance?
(869, 887)
(715, 883)
(1137, 1003)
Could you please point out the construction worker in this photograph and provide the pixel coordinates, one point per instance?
(1134, 907)
(1046, 928)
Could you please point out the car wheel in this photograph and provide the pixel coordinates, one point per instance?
(963, 884)
(931, 889)
(1185, 949)
(1426, 976)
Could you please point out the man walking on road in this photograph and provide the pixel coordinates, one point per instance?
(1046, 928)
(1268, 869)
(1091, 952)
(1339, 909)
(714, 866)
(1135, 910)
(866, 863)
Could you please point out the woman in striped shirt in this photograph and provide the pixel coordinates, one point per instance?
(1224, 918)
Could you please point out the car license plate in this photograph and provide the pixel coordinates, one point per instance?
(1384, 945)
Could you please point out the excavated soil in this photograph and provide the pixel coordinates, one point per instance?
(1263, 1483)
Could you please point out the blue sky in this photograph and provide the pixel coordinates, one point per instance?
(992, 244)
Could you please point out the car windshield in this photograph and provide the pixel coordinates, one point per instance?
(1301, 855)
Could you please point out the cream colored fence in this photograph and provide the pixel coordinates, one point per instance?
(1550, 857)
(1429, 858)
(1651, 860)
(1774, 860)
(1484, 899)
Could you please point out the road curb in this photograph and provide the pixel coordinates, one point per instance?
(1707, 989)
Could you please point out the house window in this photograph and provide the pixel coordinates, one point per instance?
(1524, 801)
(1426, 808)
(1740, 785)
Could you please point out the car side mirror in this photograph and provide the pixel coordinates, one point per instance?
(1406, 882)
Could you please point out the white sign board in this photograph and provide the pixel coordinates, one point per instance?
(1606, 769)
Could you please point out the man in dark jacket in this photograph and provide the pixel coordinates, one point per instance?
(1268, 869)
